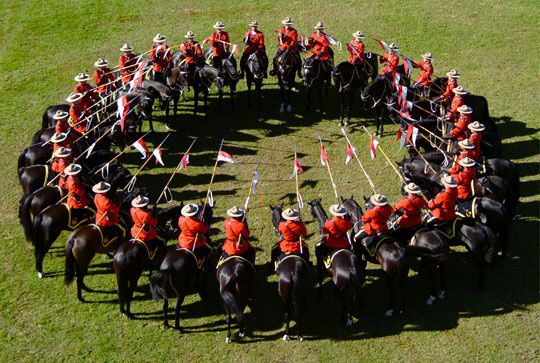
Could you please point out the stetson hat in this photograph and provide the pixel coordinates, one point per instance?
(338, 210)
(459, 90)
(101, 187)
(126, 48)
(58, 137)
(72, 169)
(62, 152)
(449, 182)
(476, 126)
(74, 97)
(59, 115)
(159, 38)
(81, 77)
(290, 214)
(412, 188)
(467, 162)
(235, 212)
(427, 56)
(378, 199)
(101, 63)
(218, 25)
(140, 201)
(319, 25)
(287, 21)
(189, 210)
(393, 46)
(465, 109)
(466, 144)
(358, 34)
(190, 35)
(453, 74)
(254, 23)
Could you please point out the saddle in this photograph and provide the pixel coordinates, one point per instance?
(285, 255)
(152, 247)
(447, 229)
(109, 234)
(467, 208)
(222, 260)
(81, 216)
(328, 259)
(375, 242)
(199, 260)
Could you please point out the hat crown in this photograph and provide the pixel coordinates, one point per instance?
(60, 115)
(72, 169)
(290, 214)
(101, 187)
(319, 25)
(287, 20)
(412, 188)
(338, 210)
(62, 152)
(449, 181)
(378, 199)
(190, 210)
(58, 137)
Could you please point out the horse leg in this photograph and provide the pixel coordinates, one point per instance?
(249, 92)
(179, 302)
(350, 106)
(390, 284)
(281, 94)
(308, 98)
(229, 319)
(165, 317)
(287, 318)
(289, 91)
(81, 272)
(442, 276)
(195, 102)
(175, 104)
(431, 271)
(132, 287)
(478, 259)
(258, 88)
(206, 104)
(341, 108)
(202, 290)
(321, 98)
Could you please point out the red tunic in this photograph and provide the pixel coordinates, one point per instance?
(233, 229)
(127, 66)
(443, 206)
(336, 228)
(476, 139)
(411, 211)
(291, 232)
(58, 166)
(375, 219)
(76, 198)
(255, 42)
(104, 79)
(220, 48)
(142, 217)
(89, 94)
(190, 228)
(77, 114)
(391, 64)
(473, 154)
(105, 205)
(320, 45)
(192, 51)
(448, 93)
(67, 143)
(461, 129)
(356, 50)
(61, 126)
(161, 57)
(426, 70)
(464, 178)
(457, 102)
(288, 38)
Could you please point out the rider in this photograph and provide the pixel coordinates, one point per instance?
(77, 113)
(411, 206)
(291, 231)
(476, 133)
(447, 96)
(144, 221)
(334, 234)
(191, 49)
(426, 71)
(161, 56)
(107, 212)
(104, 79)
(221, 43)
(127, 63)
(237, 232)
(457, 102)
(90, 96)
(288, 41)
(356, 49)
(321, 46)
(464, 176)
(62, 158)
(467, 149)
(193, 236)
(77, 201)
(254, 41)
(62, 124)
(390, 60)
(375, 220)
(443, 206)
(461, 127)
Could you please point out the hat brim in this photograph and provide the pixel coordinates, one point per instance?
(73, 99)
(289, 218)
(126, 49)
(450, 75)
(450, 185)
(74, 172)
(412, 191)
(159, 40)
(218, 26)
(77, 79)
(287, 22)
(235, 215)
(99, 65)
(97, 190)
(140, 205)
(64, 115)
(477, 129)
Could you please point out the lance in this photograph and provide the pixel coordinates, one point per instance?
(119, 154)
(246, 205)
(299, 201)
(64, 198)
(134, 177)
(371, 184)
(423, 128)
(386, 157)
(334, 187)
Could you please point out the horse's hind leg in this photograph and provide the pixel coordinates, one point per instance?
(308, 98)
(431, 270)
(442, 275)
(350, 107)
(81, 272)
(179, 302)
(341, 108)
(287, 319)
(258, 87)
(229, 321)
(321, 98)
(249, 93)
(165, 310)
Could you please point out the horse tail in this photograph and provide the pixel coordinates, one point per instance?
(493, 245)
(298, 280)
(230, 291)
(21, 162)
(25, 218)
(157, 280)
(69, 271)
(356, 283)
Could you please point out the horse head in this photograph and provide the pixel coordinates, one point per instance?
(276, 216)
(254, 66)
(229, 69)
(374, 92)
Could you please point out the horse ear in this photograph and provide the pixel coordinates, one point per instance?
(271, 207)
(365, 198)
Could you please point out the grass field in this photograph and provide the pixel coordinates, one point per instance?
(494, 44)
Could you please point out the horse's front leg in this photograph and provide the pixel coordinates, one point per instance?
(351, 98)
(249, 92)
(258, 87)
(321, 102)
(308, 98)
(232, 98)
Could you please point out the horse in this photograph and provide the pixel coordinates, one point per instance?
(87, 240)
(143, 100)
(348, 78)
(133, 257)
(286, 74)
(254, 75)
(47, 119)
(345, 269)
(34, 155)
(177, 270)
(316, 75)
(43, 135)
(34, 203)
(391, 255)
(228, 72)
(293, 283)
(164, 94)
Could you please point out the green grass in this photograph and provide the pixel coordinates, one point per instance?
(492, 43)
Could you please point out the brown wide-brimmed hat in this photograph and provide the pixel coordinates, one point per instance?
(126, 48)
(190, 35)
(466, 144)
(319, 25)
(140, 201)
(476, 126)
(358, 35)
(412, 188)
(72, 169)
(466, 110)
(62, 152)
(428, 56)
(449, 182)
(467, 162)
(59, 115)
(218, 25)
(58, 137)
(101, 63)
(235, 212)
(338, 210)
(74, 97)
(453, 74)
(290, 214)
(189, 210)
(81, 77)
(460, 90)
(254, 23)
(378, 199)
(101, 187)
(159, 38)
(393, 46)
(287, 21)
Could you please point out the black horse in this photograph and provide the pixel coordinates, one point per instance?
(47, 119)
(287, 67)
(228, 72)
(36, 202)
(254, 75)
(293, 283)
(316, 75)
(34, 155)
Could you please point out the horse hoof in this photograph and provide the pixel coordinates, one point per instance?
(40, 275)
(340, 124)
(241, 334)
(389, 313)
(300, 338)
(282, 108)
(289, 108)
(286, 338)
(441, 295)
(349, 322)
(430, 300)
(228, 340)
(346, 123)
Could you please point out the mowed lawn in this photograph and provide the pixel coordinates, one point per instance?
(494, 44)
